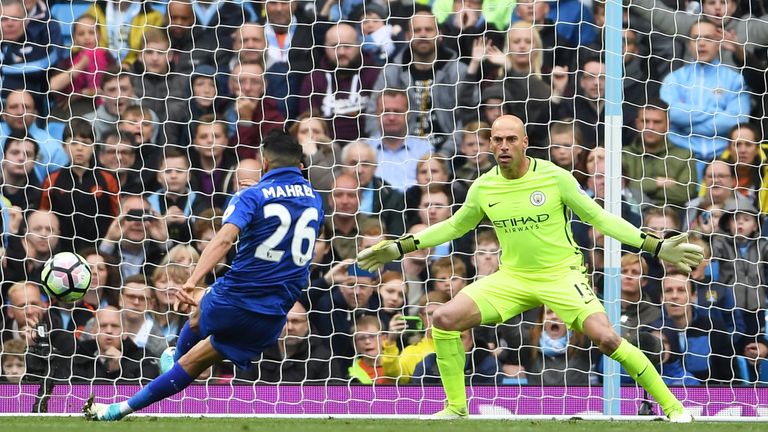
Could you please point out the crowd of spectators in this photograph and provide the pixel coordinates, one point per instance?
(127, 128)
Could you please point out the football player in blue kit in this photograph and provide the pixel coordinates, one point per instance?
(244, 311)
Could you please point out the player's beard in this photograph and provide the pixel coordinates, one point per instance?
(352, 68)
(512, 168)
(517, 162)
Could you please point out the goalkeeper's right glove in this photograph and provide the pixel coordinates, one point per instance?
(376, 256)
(674, 250)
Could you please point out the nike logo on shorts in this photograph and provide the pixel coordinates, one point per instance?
(493, 204)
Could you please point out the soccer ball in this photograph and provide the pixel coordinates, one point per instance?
(66, 276)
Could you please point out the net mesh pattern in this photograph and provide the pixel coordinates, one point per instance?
(127, 129)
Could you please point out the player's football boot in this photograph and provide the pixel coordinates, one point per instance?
(101, 412)
(448, 413)
(166, 359)
(680, 416)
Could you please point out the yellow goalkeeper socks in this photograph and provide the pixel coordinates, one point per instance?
(450, 361)
(641, 370)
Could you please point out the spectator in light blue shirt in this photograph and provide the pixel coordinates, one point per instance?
(18, 119)
(30, 42)
(398, 153)
(706, 98)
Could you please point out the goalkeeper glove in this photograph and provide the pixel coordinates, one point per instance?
(675, 250)
(376, 256)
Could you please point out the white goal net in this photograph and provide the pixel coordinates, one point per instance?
(127, 126)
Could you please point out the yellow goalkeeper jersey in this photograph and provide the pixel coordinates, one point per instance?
(531, 218)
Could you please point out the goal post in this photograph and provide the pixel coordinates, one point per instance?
(614, 96)
(130, 146)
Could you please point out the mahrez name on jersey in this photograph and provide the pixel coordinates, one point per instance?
(284, 191)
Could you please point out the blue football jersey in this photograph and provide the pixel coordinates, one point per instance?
(279, 219)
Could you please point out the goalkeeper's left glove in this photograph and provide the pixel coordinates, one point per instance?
(674, 250)
(376, 256)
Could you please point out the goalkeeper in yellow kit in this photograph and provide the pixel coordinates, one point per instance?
(527, 199)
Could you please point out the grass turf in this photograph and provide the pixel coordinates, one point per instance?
(156, 424)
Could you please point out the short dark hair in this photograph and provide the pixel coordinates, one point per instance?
(438, 188)
(136, 279)
(393, 92)
(485, 235)
(110, 74)
(122, 137)
(731, 167)
(207, 119)
(671, 270)
(589, 58)
(281, 150)
(656, 103)
(750, 127)
(567, 126)
(21, 139)
(174, 152)
(78, 127)
(421, 9)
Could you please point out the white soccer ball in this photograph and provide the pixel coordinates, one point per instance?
(66, 276)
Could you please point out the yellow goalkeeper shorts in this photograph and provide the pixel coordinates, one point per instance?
(507, 293)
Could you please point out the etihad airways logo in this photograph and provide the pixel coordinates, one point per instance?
(522, 223)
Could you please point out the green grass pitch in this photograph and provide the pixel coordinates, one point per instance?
(156, 424)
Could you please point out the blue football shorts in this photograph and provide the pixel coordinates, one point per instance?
(238, 334)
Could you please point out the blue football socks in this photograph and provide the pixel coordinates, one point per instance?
(167, 384)
(187, 339)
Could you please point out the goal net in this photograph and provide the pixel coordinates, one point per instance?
(127, 128)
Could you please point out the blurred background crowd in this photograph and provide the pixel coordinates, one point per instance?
(128, 125)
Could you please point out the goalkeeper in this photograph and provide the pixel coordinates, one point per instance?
(526, 200)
